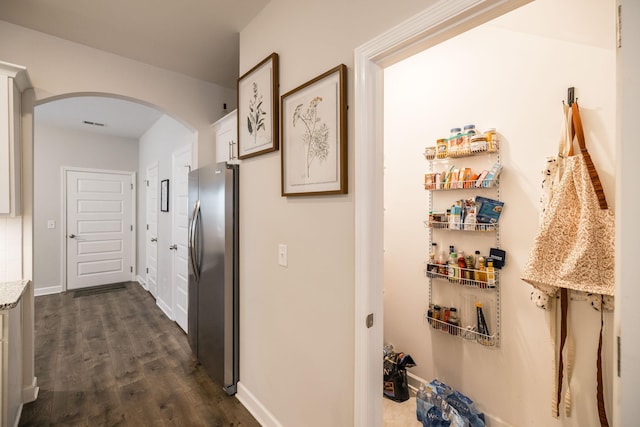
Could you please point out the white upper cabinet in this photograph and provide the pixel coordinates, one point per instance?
(13, 81)
(226, 138)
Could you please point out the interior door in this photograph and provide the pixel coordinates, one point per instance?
(99, 227)
(181, 166)
(151, 239)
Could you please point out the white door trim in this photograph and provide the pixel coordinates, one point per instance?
(174, 239)
(434, 25)
(63, 228)
(146, 286)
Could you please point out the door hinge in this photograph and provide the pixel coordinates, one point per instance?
(619, 357)
(370, 320)
(147, 181)
(131, 227)
(131, 268)
(147, 270)
(132, 186)
(147, 226)
(619, 27)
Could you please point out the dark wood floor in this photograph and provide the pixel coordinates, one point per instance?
(114, 359)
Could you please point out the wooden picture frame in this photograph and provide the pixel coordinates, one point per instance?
(164, 195)
(314, 136)
(258, 115)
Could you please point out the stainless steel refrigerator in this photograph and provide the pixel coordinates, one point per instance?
(213, 271)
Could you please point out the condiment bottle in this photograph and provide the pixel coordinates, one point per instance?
(476, 266)
(445, 319)
(468, 274)
(462, 263)
(481, 273)
(454, 321)
(491, 274)
(453, 267)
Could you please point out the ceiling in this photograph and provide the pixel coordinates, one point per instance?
(105, 116)
(198, 38)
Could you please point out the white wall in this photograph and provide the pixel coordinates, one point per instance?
(156, 145)
(58, 67)
(56, 147)
(514, 81)
(297, 339)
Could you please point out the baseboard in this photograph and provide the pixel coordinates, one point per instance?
(165, 308)
(18, 416)
(142, 282)
(47, 290)
(30, 393)
(257, 409)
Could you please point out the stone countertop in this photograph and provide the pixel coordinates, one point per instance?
(11, 292)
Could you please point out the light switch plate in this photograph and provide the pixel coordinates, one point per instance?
(282, 255)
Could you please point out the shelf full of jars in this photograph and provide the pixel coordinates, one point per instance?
(464, 291)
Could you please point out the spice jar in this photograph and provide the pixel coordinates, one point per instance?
(454, 321)
(430, 153)
(455, 141)
(492, 140)
(435, 316)
(441, 148)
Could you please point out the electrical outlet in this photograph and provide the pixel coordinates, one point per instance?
(282, 255)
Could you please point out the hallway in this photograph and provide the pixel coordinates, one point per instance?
(113, 358)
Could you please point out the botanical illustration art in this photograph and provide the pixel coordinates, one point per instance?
(256, 116)
(316, 133)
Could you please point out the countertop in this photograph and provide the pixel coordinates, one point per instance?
(11, 292)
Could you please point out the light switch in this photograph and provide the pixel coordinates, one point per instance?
(282, 255)
(51, 223)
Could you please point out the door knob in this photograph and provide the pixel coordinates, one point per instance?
(173, 247)
(154, 239)
(72, 236)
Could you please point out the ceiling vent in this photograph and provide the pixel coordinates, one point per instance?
(87, 122)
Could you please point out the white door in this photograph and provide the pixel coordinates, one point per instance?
(181, 165)
(99, 227)
(151, 237)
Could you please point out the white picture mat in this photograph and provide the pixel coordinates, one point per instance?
(323, 175)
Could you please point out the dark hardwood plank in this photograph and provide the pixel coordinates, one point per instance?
(114, 359)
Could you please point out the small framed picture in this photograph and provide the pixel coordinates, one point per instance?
(258, 109)
(164, 195)
(314, 136)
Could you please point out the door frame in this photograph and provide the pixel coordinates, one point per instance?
(155, 164)
(438, 23)
(63, 228)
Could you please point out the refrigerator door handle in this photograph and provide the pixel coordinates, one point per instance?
(192, 240)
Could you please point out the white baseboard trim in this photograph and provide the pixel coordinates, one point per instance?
(257, 409)
(18, 415)
(165, 308)
(30, 393)
(48, 290)
(142, 282)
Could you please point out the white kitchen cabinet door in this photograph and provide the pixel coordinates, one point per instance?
(13, 80)
(226, 138)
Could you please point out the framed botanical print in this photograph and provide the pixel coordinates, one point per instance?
(258, 109)
(314, 136)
